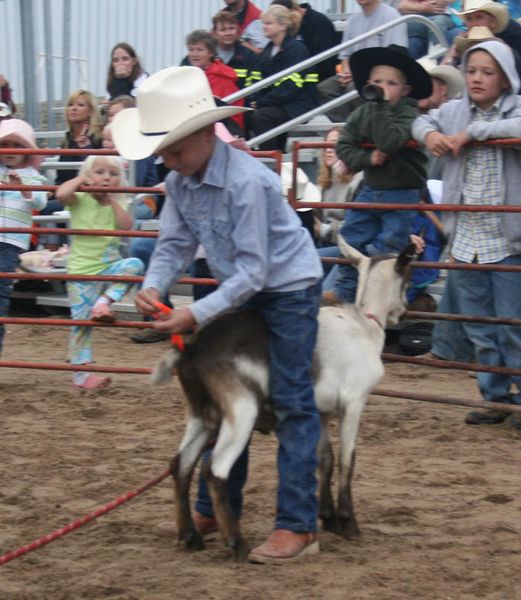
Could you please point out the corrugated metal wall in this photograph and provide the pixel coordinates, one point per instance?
(155, 28)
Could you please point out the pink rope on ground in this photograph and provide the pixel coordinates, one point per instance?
(81, 521)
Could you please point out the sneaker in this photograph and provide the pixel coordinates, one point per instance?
(149, 336)
(206, 526)
(492, 416)
(102, 312)
(93, 382)
(284, 546)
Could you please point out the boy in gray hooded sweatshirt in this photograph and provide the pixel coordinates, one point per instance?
(474, 175)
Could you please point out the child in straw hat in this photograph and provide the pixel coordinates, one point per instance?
(232, 205)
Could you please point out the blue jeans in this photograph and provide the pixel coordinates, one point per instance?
(449, 339)
(292, 321)
(420, 35)
(496, 294)
(330, 271)
(8, 263)
(375, 232)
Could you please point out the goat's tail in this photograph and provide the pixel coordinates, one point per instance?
(163, 370)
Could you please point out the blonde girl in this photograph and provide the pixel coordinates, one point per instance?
(95, 255)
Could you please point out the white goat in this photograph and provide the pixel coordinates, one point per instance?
(224, 372)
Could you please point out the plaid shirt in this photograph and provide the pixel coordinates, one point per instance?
(480, 236)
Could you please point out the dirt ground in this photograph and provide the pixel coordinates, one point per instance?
(438, 501)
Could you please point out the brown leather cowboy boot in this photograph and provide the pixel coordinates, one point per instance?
(283, 546)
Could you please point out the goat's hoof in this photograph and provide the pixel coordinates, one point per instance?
(193, 541)
(332, 524)
(349, 529)
(240, 548)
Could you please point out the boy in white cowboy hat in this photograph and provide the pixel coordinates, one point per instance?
(231, 204)
(393, 171)
(447, 83)
(16, 207)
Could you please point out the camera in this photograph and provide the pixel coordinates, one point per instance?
(372, 93)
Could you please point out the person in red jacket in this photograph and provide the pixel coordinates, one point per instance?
(250, 27)
(202, 53)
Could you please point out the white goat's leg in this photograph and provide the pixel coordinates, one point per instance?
(234, 433)
(326, 512)
(195, 438)
(349, 423)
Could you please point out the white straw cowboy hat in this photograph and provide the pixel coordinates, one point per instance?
(171, 104)
(474, 36)
(496, 9)
(451, 76)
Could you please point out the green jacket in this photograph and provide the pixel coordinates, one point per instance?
(389, 128)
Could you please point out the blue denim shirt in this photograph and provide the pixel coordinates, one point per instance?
(252, 238)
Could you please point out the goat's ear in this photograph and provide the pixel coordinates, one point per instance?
(405, 257)
(349, 252)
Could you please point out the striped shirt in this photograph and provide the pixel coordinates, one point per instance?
(479, 236)
(15, 210)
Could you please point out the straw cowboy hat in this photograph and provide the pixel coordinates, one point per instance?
(475, 35)
(451, 76)
(496, 9)
(171, 104)
(306, 191)
(362, 62)
(16, 130)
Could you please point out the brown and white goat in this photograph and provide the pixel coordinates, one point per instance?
(224, 372)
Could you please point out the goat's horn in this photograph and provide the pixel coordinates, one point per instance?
(405, 257)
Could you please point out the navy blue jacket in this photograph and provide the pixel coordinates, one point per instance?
(296, 92)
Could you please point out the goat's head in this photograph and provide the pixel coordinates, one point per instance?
(382, 281)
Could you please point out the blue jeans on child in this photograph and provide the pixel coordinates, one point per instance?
(449, 339)
(330, 270)
(8, 263)
(292, 321)
(496, 294)
(375, 232)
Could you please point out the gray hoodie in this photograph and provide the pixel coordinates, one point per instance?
(454, 115)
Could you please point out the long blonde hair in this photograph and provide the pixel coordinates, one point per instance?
(94, 118)
(325, 173)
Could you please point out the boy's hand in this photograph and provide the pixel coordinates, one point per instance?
(458, 140)
(145, 301)
(179, 320)
(378, 158)
(438, 144)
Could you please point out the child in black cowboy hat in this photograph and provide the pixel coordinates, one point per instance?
(391, 82)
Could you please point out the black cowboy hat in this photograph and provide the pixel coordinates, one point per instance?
(362, 62)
